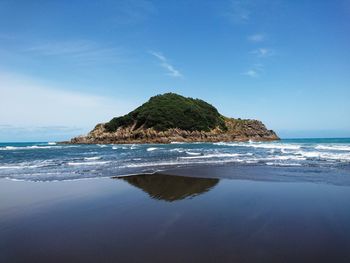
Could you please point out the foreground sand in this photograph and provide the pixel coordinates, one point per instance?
(164, 218)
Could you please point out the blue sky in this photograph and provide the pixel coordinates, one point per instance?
(67, 65)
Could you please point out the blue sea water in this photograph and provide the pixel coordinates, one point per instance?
(45, 161)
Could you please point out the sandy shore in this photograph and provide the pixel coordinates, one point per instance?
(165, 218)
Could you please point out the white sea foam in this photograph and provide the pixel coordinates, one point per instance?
(283, 158)
(86, 163)
(189, 161)
(179, 150)
(150, 149)
(9, 148)
(333, 147)
(25, 165)
(325, 155)
(283, 164)
(308, 154)
(175, 163)
(88, 153)
(93, 158)
(193, 153)
(276, 146)
(51, 143)
(33, 147)
(250, 161)
(217, 155)
(280, 146)
(339, 157)
(11, 167)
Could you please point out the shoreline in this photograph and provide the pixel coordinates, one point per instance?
(231, 171)
(164, 140)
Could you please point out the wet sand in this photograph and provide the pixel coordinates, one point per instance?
(168, 218)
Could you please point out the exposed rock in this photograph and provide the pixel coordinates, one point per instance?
(238, 130)
(173, 118)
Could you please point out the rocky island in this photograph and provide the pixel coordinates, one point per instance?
(170, 118)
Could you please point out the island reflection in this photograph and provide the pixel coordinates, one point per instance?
(169, 187)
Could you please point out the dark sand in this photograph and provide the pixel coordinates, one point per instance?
(164, 218)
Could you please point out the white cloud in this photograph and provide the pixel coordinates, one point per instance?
(166, 65)
(251, 73)
(132, 11)
(29, 103)
(262, 52)
(255, 71)
(239, 11)
(257, 38)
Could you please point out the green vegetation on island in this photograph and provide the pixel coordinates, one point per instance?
(171, 110)
(173, 118)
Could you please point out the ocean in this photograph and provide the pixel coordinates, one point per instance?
(50, 161)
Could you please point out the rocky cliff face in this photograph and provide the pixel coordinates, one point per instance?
(237, 130)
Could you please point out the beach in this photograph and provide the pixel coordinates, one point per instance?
(207, 214)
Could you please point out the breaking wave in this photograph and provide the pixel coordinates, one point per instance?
(41, 161)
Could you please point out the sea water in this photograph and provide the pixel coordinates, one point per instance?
(46, 161)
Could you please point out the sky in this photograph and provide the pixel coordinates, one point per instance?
(67, 65)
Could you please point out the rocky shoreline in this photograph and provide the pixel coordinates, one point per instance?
(237, 130)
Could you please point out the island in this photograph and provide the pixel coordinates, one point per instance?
(171, 118)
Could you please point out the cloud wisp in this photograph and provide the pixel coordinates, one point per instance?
(251, 73)
(171, 70)
(262, 52)
(127, 12)
(255, 71)
(239, 11)
(256, 38)
(83, 52)
(258, 68)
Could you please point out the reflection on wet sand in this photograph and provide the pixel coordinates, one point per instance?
(170, 187)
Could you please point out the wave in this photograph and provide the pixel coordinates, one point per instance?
(179, 150)
(86, 163)
(93, 158)
(333, 147)
(10, 148)
(11, 167)
(150, 149)
(193, 153)
(279, 146)
(283, 164)
(325, 155)
(218, 155)
(25, 165)
(33, 147)
(175, 163)
(285, 158)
